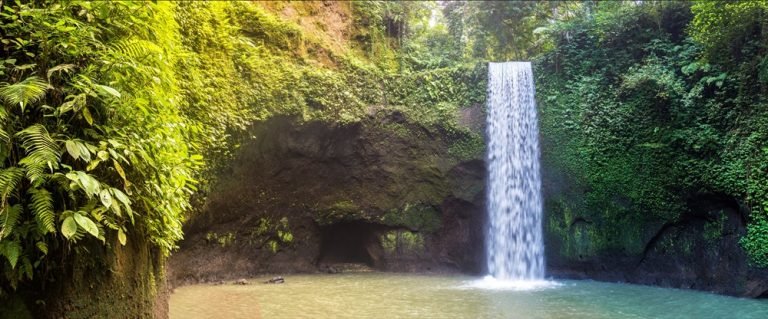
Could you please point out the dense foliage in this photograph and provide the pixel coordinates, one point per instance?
(648, 112)
(92, 139)
(115, 115)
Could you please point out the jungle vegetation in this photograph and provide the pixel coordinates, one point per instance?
(116, 116)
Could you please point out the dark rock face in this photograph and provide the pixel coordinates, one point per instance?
(698, 250)
(113, 281)
(385, 193)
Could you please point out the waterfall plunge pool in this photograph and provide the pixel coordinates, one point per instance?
(389, 295)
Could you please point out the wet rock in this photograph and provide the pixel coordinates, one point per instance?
(331, 270)
(241, 281)
(276, 280)
(699, 249)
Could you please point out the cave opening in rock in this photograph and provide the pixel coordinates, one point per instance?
(351, 242)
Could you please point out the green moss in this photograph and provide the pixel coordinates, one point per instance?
(578, 239)
(402, 241)
(418, 217)
(585, 233)
(676, 245)
(713, 230)
(340, 211)
(467, 146)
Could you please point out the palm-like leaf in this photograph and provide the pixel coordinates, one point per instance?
(42, 207)
(42, 152)
(23, 93)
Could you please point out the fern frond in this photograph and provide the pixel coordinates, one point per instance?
(42, 207)
(42, 152)
(9, 218)
(3, 135)
(26, 267)
(135, 48)
(11, 249)
(30, 90)
(9, 180)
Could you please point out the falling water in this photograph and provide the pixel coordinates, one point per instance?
(515, 249)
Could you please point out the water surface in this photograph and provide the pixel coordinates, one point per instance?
(383, 295)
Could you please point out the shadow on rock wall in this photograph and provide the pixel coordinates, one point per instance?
(301, 197)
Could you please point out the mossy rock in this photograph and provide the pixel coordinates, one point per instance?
(340, 211)
(417, 217)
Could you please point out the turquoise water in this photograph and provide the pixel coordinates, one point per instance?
(386, 295)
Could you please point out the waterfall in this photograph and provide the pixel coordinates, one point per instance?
(515, 248)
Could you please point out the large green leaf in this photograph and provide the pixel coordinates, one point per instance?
(121, 237)
(106, 198)
(69, 227)
(89, 184)
(73, 149)
(87, 115)
(123, 199)
(87, 224)
(108, 90)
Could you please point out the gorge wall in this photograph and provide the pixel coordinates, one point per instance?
(303, 197)
(653, 151)
(699, 249)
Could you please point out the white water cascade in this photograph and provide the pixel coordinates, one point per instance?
(515, 248)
